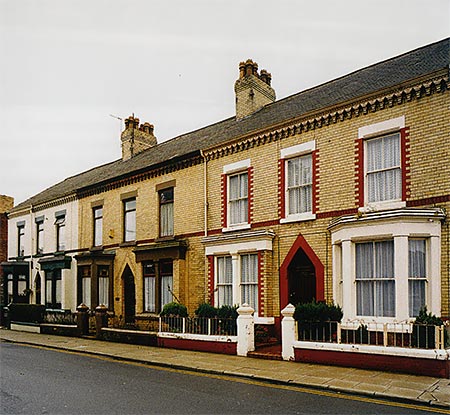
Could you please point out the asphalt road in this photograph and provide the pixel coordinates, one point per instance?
(40, 381)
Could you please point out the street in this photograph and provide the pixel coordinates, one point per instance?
(40, 381)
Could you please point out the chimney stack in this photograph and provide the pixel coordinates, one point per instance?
(253, 90)
(136, 138)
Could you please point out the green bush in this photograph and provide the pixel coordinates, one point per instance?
(174, 309)
(228, 311)
(206, 310)
(317, 312)
(423, 335)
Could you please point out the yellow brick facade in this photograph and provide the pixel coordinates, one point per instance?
(429, 158)
(188, 272)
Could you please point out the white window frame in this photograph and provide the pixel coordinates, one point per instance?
(98, 225)
(378, 131)
(231, 170)
(237, 283)
(289, 153)
(401, 227)
(421, 278)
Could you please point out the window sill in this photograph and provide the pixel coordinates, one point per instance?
(298, 218)
(96, 248)
(386, 205)
(236, 228)
(128, 243)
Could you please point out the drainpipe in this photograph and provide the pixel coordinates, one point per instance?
(205, 191)
(30, 278)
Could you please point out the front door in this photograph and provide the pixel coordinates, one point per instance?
(129, 295)
(301, 279)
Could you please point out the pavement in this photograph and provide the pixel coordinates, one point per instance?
(417, 390)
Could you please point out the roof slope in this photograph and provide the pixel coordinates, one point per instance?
(383, 75)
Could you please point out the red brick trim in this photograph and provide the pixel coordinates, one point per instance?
(211, 279)
(301, 243)
(223, 194)
(335, 213)
(428, 201)
(250, 194)
(282, 188)
(261, 286)
(359, 173)
(315, 180)
(405, 162)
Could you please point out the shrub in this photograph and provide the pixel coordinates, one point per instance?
(174, 309)
(317, 312)
(206, 310)
(228, 311)
(424, 332)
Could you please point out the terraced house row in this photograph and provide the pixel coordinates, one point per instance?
(339, 193)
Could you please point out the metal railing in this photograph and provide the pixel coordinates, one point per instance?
(408, 335)
(198, 325)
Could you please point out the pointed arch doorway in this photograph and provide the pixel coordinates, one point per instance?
(301, 275)
(129, 295)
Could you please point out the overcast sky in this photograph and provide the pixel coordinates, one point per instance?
(66, 65)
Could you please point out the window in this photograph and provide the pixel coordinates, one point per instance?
(40, 237)
(21, 240)
(383, 172)
(10, 287)
(158, 285)
(237, 285)
(375, 280)
(238, 198)
(166, 212)
(299, 185)
(53, 289)
(417, 276)
(97, 214)
(60, 224)
(85, 276)
(103, 285)
(129, 220)
(224, 281)
(249, 280)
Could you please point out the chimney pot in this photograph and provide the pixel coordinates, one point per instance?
(248, 67)
(241, 70)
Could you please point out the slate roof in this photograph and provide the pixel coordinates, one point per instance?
(383, 75)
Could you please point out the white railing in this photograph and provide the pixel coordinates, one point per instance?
(408, 335)
(198, 325)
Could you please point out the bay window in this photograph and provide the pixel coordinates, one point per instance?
(417, 276)
(237, 280)
(158, 284)
(224, 281)
(387, 265)
(249, 280)
(103, 285)
(375, 279)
